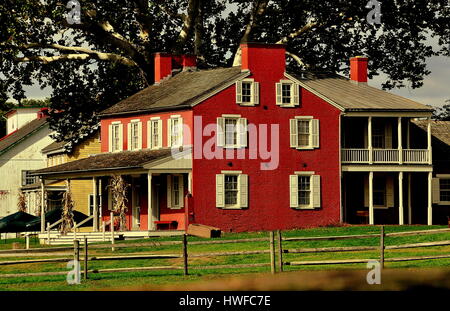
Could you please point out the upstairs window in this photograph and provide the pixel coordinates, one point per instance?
(175, 131)
(231, 131)
(155, 133)
(247, 92)
(135, 135)
(304, 132)
(115, 137)
(28, 179)
(287, 94)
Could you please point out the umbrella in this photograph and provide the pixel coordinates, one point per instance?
(16, 222)
(55, 215)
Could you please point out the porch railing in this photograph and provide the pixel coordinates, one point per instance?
(408, 156)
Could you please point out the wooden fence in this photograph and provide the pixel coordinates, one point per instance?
(276, 253)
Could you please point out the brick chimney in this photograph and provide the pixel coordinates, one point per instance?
(167, 64)
(358, 69)
(268, 59)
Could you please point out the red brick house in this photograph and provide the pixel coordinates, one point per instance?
(258, 148)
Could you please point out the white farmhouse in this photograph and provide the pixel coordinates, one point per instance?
(20, 153)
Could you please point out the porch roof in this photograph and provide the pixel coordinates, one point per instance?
(108, 162)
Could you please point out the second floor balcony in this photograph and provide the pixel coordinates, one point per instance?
(368, 140)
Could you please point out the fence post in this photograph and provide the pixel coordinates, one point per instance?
(382, 247)
(185, 254)
(76, 251)
(85, 258)
(104, 230)
(48, 233)
(111, 227)
(27, 241)
(272, 253)
(280, 251)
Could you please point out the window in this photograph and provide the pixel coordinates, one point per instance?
(28, 179)
(115, 137)
(231, 131)
(382, 193)
(304, 133)
(175, 131)
(135, 135)
(231, 190)
(91, 204)
(305, 190)
(441, 189)
(444, 187)
(379, 191)
(287, 94)
(175, 191)
(378, 136)
(155, 133)
(247, 92)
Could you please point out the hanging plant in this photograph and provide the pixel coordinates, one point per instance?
(67, 212)
(21, 202)
(119, 198)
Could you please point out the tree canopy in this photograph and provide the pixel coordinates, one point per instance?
(108, 56)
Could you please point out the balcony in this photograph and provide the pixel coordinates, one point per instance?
(385, 156)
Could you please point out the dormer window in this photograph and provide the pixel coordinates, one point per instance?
(247, 92)
(135, 135)
(287, 94)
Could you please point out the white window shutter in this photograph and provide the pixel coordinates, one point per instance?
(110, 140)
(242, 132)
(293, 133)
(120, 137)
(180, 131)
(390, 191)
(169, 132)
(279, 94)
(140, 135)
(220, 132)
(160, 134)
(169, 191)
(315, 133)
(243, 190)
(293, 189)
(181, 190)
(255, 93)
(296, 94)
(149, 135)
(436, 191)
(239, 92)
(220, 190)
(129, 144)
(315, 191)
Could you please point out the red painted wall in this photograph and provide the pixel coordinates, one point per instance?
(268, 199)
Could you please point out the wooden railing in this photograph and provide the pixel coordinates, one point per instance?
(408, 156)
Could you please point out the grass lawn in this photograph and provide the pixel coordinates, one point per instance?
(154, 278)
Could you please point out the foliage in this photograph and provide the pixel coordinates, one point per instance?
(21, 202)
(93, 65)
(442, 113)
(67, 212)
(119, 190)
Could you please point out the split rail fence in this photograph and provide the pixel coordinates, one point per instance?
(278, 247)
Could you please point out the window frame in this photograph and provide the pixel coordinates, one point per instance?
(170, 191)
(440, 177)
(294, 89)
(313, 135)
(151, 134)
(254, 92)
(315, 191)
(113, 139)
(241, 192)
(132, 144)
(241, 131)
(170, 136)
(25, 177)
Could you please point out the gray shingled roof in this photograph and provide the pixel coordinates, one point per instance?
(11, 140)
(107, 161)
(439, 129)
(356, 97)
(54, 146)
(180, 91)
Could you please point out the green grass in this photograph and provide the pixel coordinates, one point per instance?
(167, 277)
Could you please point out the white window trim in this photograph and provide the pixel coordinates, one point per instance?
(242, 194)
(438, 191)
(315, 191)
(312, 133)
(169, 130)
(295, 94)
(150, 133)
(130, 134)
(241, 131)
(254, 92)
(110, 134)
(169, 192)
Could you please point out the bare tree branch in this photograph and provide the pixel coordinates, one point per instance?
(297, 59)
(189, 22)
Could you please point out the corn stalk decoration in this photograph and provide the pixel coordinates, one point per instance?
(119, 197)
(38, 206)
(21, 202)
(67, 212)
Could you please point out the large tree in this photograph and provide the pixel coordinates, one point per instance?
(108, 56)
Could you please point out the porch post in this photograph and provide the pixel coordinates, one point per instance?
(429, 141)
(369, 138)
(95, 211)
(149, 202)
(400, 147)
(371, 216)
(409, 200)
(190, 182)
(430, 202)
(42, 206)
(401, 220)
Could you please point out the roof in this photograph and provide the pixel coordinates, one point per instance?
(54, 147)
(66, 146)
(21, 134)
(180, 91)
(108, 161)
(439, 129)
(353, 96)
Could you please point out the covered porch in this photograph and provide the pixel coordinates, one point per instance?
(158, 187)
